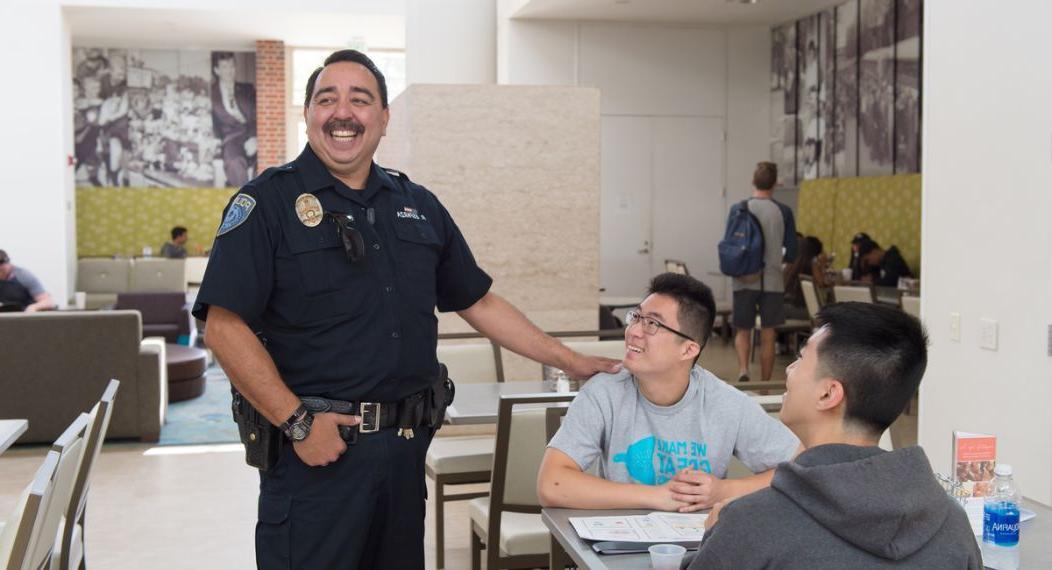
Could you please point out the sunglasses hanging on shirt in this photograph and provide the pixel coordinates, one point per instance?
(353, 242)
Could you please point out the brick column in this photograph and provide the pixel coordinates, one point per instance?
(270, 103)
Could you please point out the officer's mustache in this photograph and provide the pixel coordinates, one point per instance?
(344, 125)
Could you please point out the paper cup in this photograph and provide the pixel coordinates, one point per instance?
(80, 300)
(666, 556)
(846, 274)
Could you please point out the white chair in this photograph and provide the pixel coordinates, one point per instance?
(34, 551)
(23, 527)
(461, 460)
(507, 523)
(807, 286)
(69, 551)
(676, 266)
(857, 293)
(911, 305)
(885, 441)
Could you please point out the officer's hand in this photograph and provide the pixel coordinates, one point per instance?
(324, 444)
(583, 367)
(697, 488)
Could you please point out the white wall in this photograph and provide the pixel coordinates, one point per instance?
(986, 232)
(451, 41)
(35, 199)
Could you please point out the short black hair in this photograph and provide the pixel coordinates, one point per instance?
(218, 56)
(878, 353)
(353, 56)
(697, 308)
(178, 231)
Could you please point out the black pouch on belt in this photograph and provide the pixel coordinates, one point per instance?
(442, 392)
(262, 439)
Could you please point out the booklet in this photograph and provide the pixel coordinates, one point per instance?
(974, 459)
(653, 528)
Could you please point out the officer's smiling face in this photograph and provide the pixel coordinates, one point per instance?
(345, 119)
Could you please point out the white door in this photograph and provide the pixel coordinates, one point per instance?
(688, 208)
(625, 205)
(661, 198)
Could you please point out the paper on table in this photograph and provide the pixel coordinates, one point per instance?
(654, 527)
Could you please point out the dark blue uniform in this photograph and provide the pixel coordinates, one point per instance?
(362, 331)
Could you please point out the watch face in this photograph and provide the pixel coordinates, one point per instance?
(299, 431)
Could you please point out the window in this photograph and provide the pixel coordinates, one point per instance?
(302, 62)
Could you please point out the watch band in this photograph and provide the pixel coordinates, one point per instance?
(297, 416)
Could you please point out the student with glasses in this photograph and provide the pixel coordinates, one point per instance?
(663, 429)
(320, 301)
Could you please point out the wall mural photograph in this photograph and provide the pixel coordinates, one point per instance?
(846, 90)
(164, 118)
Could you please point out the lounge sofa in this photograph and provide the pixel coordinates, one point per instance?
(103, 278)
(54, 365)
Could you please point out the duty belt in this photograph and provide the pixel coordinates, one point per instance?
(404, 414)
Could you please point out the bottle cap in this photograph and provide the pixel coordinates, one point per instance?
(1003, 470)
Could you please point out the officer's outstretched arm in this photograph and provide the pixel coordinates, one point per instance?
(248, 365)
(500, 321)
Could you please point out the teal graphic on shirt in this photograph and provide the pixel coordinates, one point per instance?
(654, 461)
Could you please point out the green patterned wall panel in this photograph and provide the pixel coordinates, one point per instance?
(120, 221)
(816, 207)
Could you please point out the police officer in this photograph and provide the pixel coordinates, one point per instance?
(320, 295)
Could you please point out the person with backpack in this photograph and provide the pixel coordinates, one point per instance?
(760, 235)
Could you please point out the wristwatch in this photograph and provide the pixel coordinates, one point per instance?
(297, 427)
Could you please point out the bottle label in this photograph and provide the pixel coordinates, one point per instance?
(1001, 523)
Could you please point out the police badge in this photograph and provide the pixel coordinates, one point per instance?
(308, 210)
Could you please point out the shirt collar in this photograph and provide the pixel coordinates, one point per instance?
(317, 177)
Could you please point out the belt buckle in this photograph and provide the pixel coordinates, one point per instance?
(370, 412)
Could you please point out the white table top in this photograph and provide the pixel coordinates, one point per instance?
(10, 430)
(477, 403)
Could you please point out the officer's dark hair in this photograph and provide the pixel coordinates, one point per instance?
(697, 308)
(353, 56)
(878, 354)
(4, 258)
(765, 176)
(178, 231)
(218, 56)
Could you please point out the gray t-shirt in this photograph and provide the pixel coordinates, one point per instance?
(172, 251)
(637, 441)
(773, 223)
(28, 280)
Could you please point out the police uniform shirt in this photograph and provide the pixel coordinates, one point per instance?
(342, 330)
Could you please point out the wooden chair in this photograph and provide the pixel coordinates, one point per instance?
(857, 293)
(461, 460)
(70, 551)
(508, 523)
(23, 527)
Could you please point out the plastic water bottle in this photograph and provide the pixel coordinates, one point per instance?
(1001, 521)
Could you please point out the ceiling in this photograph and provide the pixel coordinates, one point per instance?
(689, 12)
(217, 29)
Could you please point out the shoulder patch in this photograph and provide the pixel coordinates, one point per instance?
(240, 209)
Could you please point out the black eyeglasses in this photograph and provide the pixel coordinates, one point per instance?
(651, 326)
(353, 242)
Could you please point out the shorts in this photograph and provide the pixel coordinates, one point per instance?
(771, 308)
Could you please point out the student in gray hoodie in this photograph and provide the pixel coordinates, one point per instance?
(844, 502)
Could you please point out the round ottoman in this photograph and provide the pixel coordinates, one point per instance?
(186, 371)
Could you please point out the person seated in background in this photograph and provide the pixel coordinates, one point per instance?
(176, 249)
(812, 262)
(662, 429)
(881, 267)
(844, 502)
(21, 289)
(856, 261)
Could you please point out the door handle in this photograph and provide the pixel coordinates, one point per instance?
(646, 248)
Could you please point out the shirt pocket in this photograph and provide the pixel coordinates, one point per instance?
(330, 283)
(419, 249)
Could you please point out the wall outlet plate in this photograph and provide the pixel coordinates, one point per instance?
(955, 327)
(988, 334)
